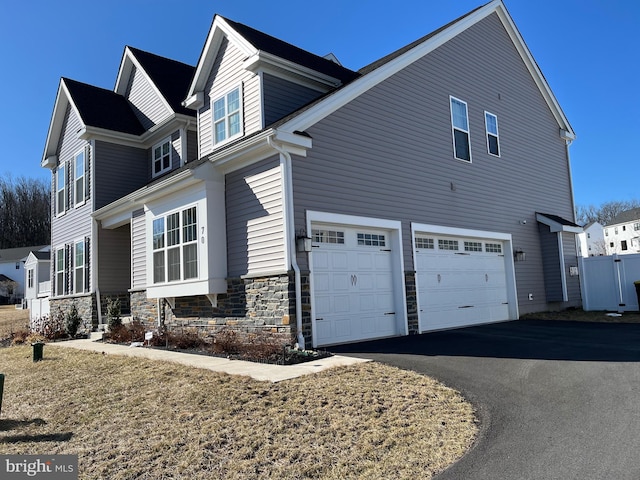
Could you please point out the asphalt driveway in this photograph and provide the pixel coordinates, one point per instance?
(556, 400)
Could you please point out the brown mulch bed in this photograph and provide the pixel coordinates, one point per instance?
(579, 315)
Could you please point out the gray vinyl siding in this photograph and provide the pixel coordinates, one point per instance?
(389, 154)
(551, 264)
(75, 223)
(138, 250)
(255, 227)
(226, 74)
(119, 171)
(114, 260)
(192, 146)
(571, 260)
(147, 104)
(281, 97)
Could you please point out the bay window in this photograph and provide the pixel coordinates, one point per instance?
(175, 246)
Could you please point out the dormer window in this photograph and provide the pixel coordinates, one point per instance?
(227, 116)
(162, 157)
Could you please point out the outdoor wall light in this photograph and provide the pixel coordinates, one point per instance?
(519, 256)
(303, 244)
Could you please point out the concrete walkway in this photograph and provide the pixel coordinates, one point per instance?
(257, 371)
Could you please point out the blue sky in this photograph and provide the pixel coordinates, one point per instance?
(587, 50)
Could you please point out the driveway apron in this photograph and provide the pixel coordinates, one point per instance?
(556, 400)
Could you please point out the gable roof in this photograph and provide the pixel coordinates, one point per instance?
(102, 108)
(382, 69)
(287, 51)
(625, 217)
(12, 255)
(170, 77)
(262, 49)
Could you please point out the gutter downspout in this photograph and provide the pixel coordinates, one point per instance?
(288, 211)
(94, 269)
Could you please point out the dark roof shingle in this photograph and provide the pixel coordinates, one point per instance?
(102, 108)
(626, 217)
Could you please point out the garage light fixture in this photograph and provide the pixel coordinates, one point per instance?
(303, 244)
(519, 255)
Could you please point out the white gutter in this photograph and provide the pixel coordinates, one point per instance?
(289, 230)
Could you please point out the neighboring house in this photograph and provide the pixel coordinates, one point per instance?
(591, 242)
(37, 271)
(12, 284)
(321, 204)
(622, 233)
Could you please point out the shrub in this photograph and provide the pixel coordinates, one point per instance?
(226, 341)
(114, 321)
(51, 326)
(72, 321)
(131, 332)
(20, 336)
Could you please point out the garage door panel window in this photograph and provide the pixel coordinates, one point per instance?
(371, 239)
(425, 243)
(472, 246)
(328, 236)
(447, 244)
(493, 247)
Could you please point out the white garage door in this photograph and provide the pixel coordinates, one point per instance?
(352, 284)
(460, 281)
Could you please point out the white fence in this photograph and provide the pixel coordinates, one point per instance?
(38, 307)
(607, 282)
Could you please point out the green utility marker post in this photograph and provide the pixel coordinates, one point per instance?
(38, 347)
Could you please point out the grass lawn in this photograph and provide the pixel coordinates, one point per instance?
(12, 319)
(136, 418)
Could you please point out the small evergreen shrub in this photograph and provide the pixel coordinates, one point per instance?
(114, 320)
(72, 321)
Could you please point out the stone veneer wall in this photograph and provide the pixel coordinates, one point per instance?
(412, 302)
(250, 306)
(85, 304)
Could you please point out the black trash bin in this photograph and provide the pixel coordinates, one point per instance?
(38, 348)
(637, 285)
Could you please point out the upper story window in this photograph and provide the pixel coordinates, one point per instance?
(606, 232)
(624, 228)
(227, 116)
(636, 226)
(491, 124)
(162, 157)
(460, 127)
(61, 190)
(79, 176)
(175, 246)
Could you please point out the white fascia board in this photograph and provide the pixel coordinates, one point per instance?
(265, 60)
(555, 226)
(124, 72)
(146, 140)
(63, 99)
(195, 101)
(219, 30)
(341, 97)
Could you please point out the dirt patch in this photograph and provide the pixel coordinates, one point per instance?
(579, 315)
(136, 418)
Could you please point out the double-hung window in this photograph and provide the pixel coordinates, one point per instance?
(162, 157)
(491, 124)
(79, 178)
(61, 189)
(60, 274)
(460, 127)
(227, 118)
(78, 267)
(175, 246)
(30, 278)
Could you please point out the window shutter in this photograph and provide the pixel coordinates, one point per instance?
(87, 151)
(86, 265)
(66, 269)
(68, 191)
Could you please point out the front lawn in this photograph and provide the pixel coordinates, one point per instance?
(135, 418)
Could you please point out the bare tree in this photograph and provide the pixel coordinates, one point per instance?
(25, 212)
(605, 212)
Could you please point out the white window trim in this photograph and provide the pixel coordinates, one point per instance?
(153, 159)
(82, 201)
(180, 245)
(487, 133)
(75, 267)
(226, 116)
(59, 213)
(57, 291)
(454, 128)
